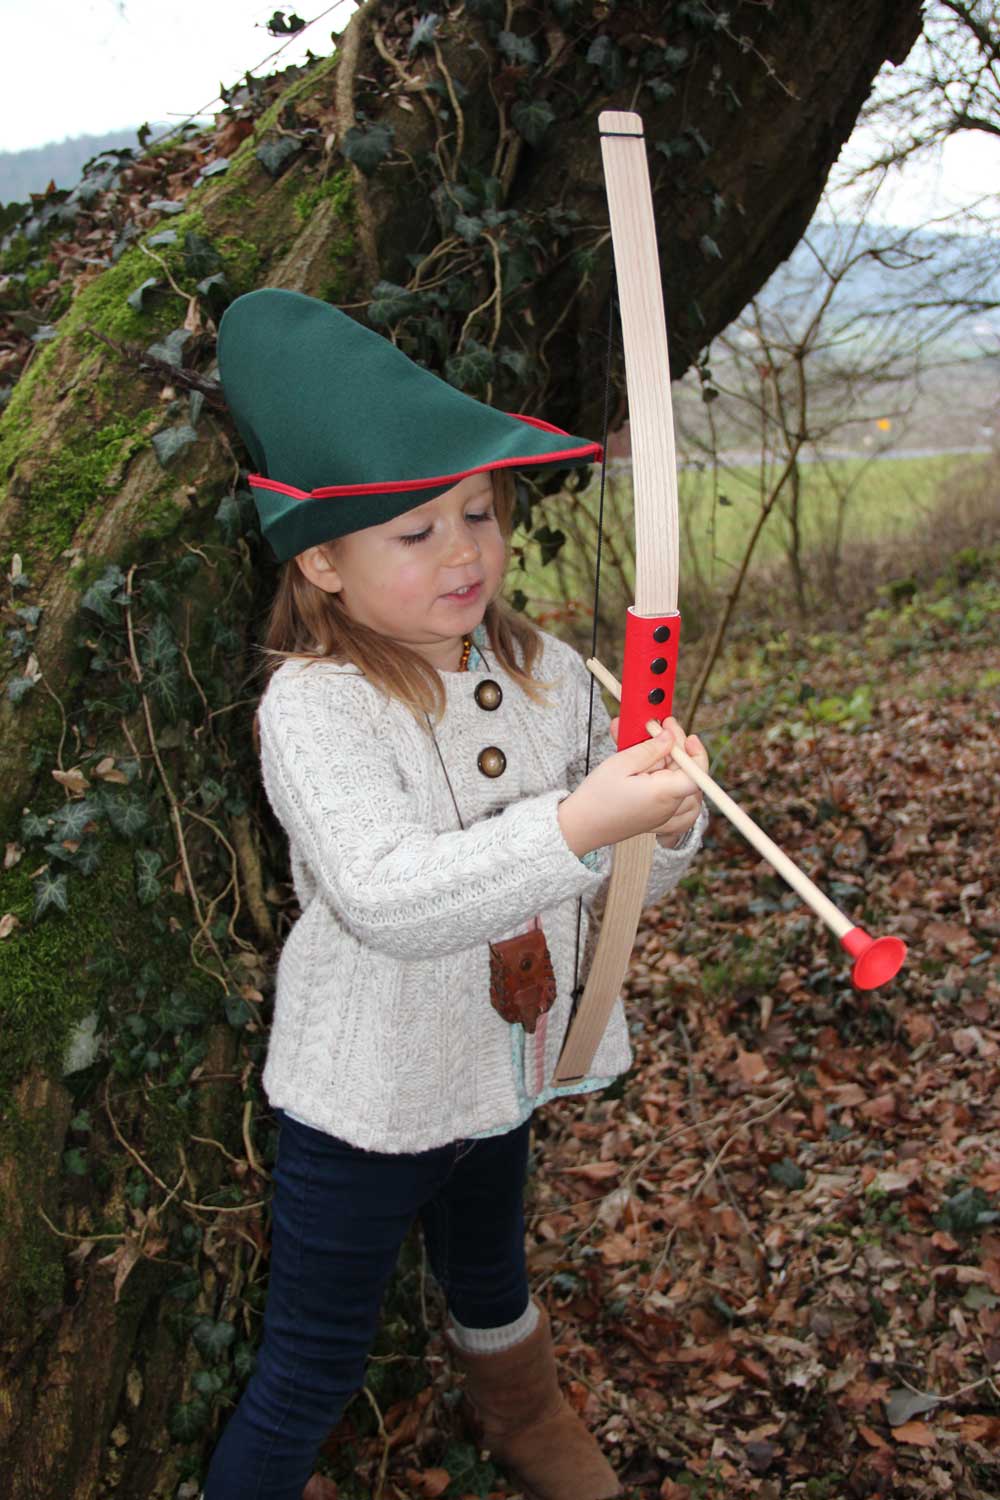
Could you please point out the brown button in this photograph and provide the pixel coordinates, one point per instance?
(488, 694)
(492, 762)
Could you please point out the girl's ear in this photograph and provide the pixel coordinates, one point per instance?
(317, 565)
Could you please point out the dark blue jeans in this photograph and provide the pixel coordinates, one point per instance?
(339, 1217)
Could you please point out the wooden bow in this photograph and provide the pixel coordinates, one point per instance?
(652, 629)
(653, 623)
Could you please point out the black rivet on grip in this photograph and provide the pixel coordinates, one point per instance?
(661, 633)
(659, 665)
(656, 696)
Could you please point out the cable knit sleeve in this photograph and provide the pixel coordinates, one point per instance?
(669, 865)
(331, 774)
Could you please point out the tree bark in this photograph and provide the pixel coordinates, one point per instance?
(133, 1245)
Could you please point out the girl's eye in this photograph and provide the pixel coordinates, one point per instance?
(472, 517)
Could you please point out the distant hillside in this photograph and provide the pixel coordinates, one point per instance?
(31, 171)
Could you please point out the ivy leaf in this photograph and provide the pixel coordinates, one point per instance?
(19, 688)
(238, 1010)
(189, 1419)
(29, 613)
(70, 820)
(449, 199)
(468, 227)
(229, 518)
(105, 593)
(244, 1360)
(605, 54)
(165, 684)
(966, 1211)
(210, 792)
(660, 89)
(276, 151)
(172, 442)
(424, 33)
(471, 369)
(159, 644)
(367, 145)
(88, 859)
(147, 865)
(216, 294)
(154, 594)
(75, 1162)
(50, 891)
(127, 814)
(519, 50)
(709, 248)
(516, 361)
(389, 303)
(788, 1173)
(675, 57)
(531, 118)
(162, 237)
(200, 256)
(212, 1338)
(33, 827)
(179, 1010)
(137, 298)
(171, 348)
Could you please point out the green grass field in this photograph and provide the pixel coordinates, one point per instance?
(874, 502)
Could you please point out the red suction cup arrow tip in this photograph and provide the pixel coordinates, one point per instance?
(876, 960)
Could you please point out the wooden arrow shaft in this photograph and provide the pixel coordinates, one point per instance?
(751, 831)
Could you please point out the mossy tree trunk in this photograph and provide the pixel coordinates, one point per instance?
(144, 888)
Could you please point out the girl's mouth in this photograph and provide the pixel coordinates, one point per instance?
(466, 593)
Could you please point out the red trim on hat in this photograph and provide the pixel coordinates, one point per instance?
(590, 451)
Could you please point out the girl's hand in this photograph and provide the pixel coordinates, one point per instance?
(639, 790)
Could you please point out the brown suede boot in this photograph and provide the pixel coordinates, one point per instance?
(526, 1423)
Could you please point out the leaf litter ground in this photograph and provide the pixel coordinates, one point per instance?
(772, 1253)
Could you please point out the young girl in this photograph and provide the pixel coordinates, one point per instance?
(423, 747)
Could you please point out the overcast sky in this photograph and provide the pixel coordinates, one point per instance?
(78, 67)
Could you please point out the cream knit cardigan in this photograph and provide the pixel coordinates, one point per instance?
(383, 1031)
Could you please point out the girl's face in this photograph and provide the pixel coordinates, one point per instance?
(423, 579)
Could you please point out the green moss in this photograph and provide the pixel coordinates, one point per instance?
(241, 259)
(40, 275)
(20, 253)
(45, 990)
(65, 490)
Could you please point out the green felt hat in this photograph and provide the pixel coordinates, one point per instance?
(346, 432)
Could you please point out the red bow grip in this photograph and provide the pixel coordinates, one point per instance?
(649, 671)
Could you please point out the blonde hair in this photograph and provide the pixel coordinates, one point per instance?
(307, 624)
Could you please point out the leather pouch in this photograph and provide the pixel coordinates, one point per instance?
(522, 984)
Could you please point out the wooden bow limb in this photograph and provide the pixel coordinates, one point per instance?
(876, 960)
(647, 375)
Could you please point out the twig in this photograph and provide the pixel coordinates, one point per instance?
(140, 1161)
(65, 1235)
(175, 815)
(384, 1460)
(248, 1142)
(457, 112)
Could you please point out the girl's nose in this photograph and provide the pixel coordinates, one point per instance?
(463, 546)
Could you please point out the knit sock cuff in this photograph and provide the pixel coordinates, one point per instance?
(494, 1340)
